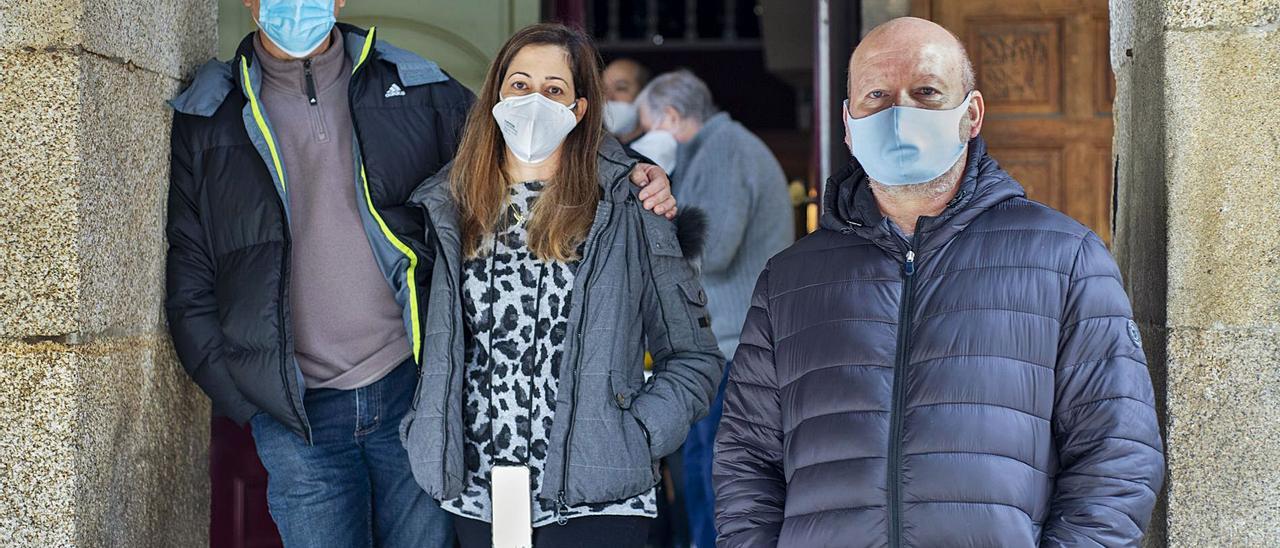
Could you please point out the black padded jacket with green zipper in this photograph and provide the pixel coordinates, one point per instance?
(227, 294)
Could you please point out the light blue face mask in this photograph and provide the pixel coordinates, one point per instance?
(297, 27)
(905, 145)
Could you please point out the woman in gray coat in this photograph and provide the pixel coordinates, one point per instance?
(549, 283)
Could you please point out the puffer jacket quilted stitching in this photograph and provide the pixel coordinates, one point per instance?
(991, 391)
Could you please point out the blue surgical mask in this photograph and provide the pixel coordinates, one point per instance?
(905, 145)
(297, 27)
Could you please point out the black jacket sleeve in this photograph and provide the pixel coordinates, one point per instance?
(1104, 419)
(190, 303)
(749, 483)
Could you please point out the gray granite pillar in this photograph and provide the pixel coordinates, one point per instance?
(1197, 151)
(103, 441)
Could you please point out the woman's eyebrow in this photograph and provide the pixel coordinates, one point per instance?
(525, 74)
(556, 78)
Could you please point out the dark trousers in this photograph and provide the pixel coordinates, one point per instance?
(582, 532)
(699, 447)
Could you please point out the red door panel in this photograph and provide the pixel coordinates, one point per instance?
(238, 484)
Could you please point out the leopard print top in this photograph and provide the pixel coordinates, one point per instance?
(516, 310)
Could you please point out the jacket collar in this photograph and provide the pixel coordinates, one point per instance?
(328, 69)
(411, 68)
(207, 91)
(850, 207)
(215, 79)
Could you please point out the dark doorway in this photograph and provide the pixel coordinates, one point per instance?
(756, 56)
(238, 508)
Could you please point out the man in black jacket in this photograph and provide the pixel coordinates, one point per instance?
(944, 363)
(297, 274)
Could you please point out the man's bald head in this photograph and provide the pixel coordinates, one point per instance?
(906, 57)
(908, 32)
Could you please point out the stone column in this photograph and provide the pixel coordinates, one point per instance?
(103, 440)
(1198, 237)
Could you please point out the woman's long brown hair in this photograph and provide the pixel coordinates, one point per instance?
(566, 208)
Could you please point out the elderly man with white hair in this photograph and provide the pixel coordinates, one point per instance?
(720, 167)
(943, 363)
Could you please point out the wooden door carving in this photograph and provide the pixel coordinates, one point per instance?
(1044, 69)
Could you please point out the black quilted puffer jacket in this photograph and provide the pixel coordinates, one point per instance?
(981, 385)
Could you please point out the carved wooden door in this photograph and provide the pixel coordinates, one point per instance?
(1044, 69)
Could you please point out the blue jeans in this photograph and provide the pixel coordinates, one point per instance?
(699, 496)
(353, 486)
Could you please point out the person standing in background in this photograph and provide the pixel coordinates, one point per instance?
(623, 80)
(723, 169)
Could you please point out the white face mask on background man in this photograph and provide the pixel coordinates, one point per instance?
(533, 126)
(621, 117)
(660, 146)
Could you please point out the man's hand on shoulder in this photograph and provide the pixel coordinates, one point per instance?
(655, 189)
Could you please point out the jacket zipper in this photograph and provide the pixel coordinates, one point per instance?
(455, 286)
(561, 501)
(284, 259)
(318, 126)
(311, 82)
(414, 333)
(311, 96)
(899, 386)
(284, 344)
(417, 391)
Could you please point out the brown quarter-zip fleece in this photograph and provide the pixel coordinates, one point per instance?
(348, 329)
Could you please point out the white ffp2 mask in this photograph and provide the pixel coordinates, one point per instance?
(533, 126)
(660, 146)
(620, 118)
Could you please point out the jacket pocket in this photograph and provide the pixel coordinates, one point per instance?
(662, 239)
(623, 396)
(640, 451)
(695, 300)
(622, 391)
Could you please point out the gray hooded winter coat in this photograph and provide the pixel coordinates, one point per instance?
(980, 386)
(634, 290)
